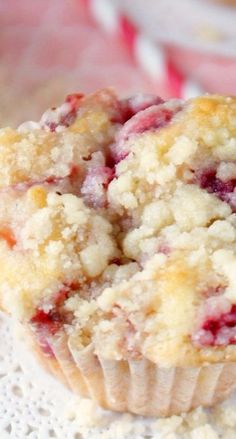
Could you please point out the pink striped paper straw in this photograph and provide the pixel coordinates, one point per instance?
(149, 56)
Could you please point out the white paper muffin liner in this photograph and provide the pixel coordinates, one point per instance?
(137, 386)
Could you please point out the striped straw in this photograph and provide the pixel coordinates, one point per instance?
(148, 55)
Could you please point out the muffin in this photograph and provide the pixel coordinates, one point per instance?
(117, 247)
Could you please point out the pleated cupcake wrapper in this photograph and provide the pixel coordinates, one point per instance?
(136, 386)
(49, 363)
(143, 388)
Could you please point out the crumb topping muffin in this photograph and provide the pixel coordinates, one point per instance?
(118, 225)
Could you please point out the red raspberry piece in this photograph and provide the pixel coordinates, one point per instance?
(74, 100)
(218, 330)
(7, 234)
(73, 176)
(116, 261)
(208, 180)
(65, 292)
(50, 322)
(51, 125)
(95, 185)
(64, 115)
(137, 103)
(51, 180)
(118, 153)
(74, 171)
(152, 118)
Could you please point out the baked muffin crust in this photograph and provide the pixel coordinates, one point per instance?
(118, 224)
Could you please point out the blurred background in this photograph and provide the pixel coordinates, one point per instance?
(169, 47)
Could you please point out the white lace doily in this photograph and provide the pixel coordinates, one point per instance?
(35, 406)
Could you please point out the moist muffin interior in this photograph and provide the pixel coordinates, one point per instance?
(118, 226)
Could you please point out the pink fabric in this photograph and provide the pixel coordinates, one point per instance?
(198, 37)
(51, 48)
(216, 74)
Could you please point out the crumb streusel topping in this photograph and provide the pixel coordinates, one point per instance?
(118, 223)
